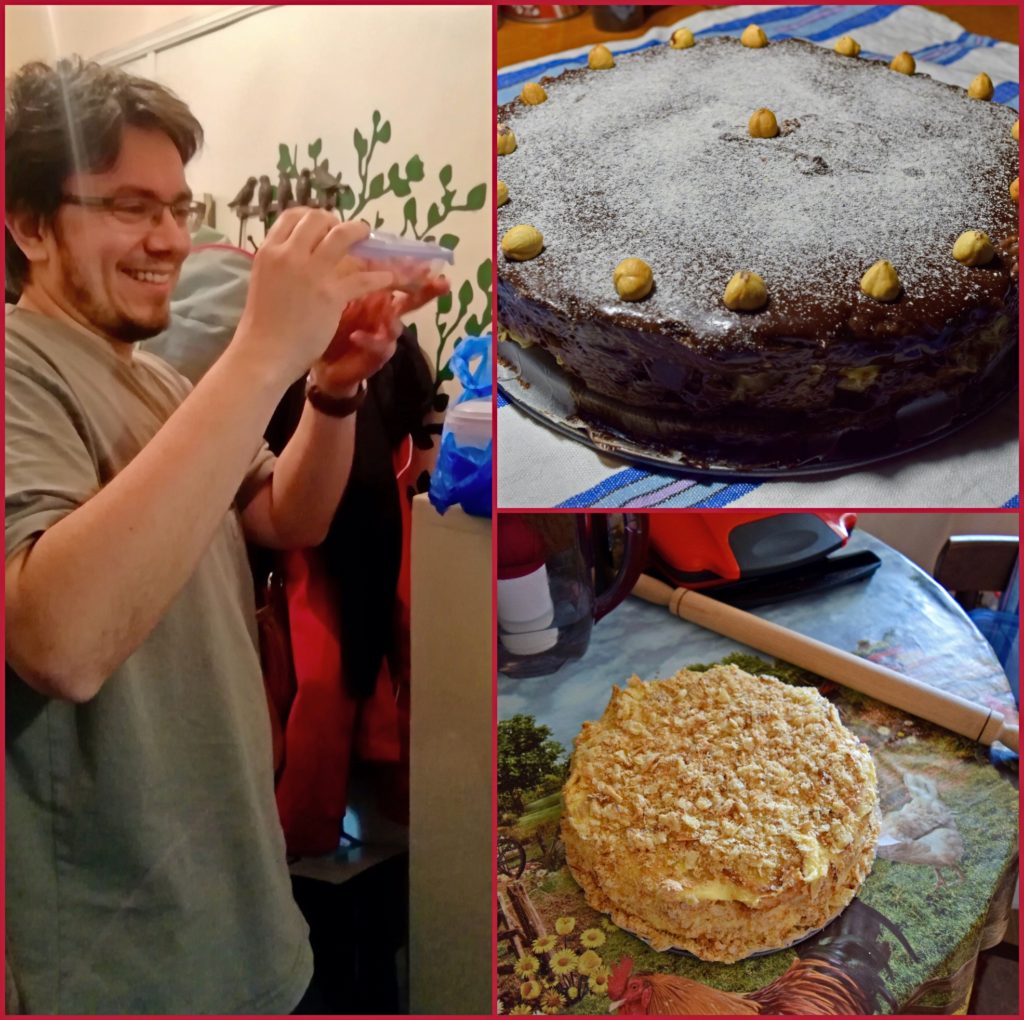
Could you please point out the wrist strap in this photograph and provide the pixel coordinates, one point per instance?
(335, 407)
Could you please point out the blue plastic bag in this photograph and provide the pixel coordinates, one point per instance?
(476, 381)
(463, 473)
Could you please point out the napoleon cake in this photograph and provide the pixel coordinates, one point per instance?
(720, 813)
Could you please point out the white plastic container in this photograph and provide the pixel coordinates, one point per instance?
(470, 423)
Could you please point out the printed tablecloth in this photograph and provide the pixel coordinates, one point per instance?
(910, 939)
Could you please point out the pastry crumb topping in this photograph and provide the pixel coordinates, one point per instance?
(726, 781)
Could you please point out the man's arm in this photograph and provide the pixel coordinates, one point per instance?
(295, 507)
(88, 592)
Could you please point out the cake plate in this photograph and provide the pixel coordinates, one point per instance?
(675, 951)
(532, 380)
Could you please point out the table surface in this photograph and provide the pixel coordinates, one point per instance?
(899, 617)
(519, 40)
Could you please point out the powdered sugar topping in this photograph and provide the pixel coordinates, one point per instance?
(652, 160)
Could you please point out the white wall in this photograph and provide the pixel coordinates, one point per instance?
(293, 74)
(27, 36)
(920, 536)
(46, 31)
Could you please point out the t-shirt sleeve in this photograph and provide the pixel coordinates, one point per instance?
(262, 465)
(261, 468)
(50, 470)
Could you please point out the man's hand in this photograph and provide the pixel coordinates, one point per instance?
(301, 282)
(366, 335)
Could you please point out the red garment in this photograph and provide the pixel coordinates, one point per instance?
(325, 729)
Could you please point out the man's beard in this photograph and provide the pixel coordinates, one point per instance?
(102, 315)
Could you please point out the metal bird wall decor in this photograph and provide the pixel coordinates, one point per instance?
(284, 192)
(264, 197)
(303, 188)
(241, 201)
(327, 187)
(241, 204)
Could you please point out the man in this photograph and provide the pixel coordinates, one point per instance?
(145, 863)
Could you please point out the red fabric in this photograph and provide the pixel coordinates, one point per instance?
(326, 729)
(312, 785)
(384, 722)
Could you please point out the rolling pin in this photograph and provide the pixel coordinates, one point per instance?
(947, 710)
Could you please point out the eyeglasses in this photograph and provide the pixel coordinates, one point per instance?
(139, 209)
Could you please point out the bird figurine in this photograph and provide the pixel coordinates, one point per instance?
(329, 196)
(240, 203)
(323, 178)
(923, 831)
(264, 198)
(284, 192)
(303, 188)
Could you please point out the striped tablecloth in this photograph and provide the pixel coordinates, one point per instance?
(978, 467)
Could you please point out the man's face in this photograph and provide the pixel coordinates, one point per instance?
(115, 277)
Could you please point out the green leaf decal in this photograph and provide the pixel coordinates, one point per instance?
(483, 275)
(384, 134)
(314, 149)
(414, 169)
(433, 216)
(465, 295)
(444, 303)
(476, 197)
(360, 143)
(449, 241)
(377, 186)
(347, 200)
(396, 182)
(445, 176)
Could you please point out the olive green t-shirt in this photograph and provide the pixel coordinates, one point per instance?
(146, 866)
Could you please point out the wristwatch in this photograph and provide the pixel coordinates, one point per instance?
(335, 407)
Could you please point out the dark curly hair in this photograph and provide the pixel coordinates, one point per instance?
(69, 119)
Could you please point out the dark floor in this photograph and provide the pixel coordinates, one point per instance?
(996, 982)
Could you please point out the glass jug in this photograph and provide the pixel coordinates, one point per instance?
(557, 575)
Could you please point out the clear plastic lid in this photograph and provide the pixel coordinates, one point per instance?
(380, 246)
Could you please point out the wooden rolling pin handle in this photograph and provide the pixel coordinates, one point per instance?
(903, 692)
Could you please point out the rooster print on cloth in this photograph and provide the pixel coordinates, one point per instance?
(923, 831)
(811, 986)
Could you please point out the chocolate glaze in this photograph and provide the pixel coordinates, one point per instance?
(822, 366)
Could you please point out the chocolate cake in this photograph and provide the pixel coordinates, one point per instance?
(653, 159)
(719, 812)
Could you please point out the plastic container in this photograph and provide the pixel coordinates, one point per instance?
(463, 471)
(409, 260)
(525, 608)
(470, 423)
